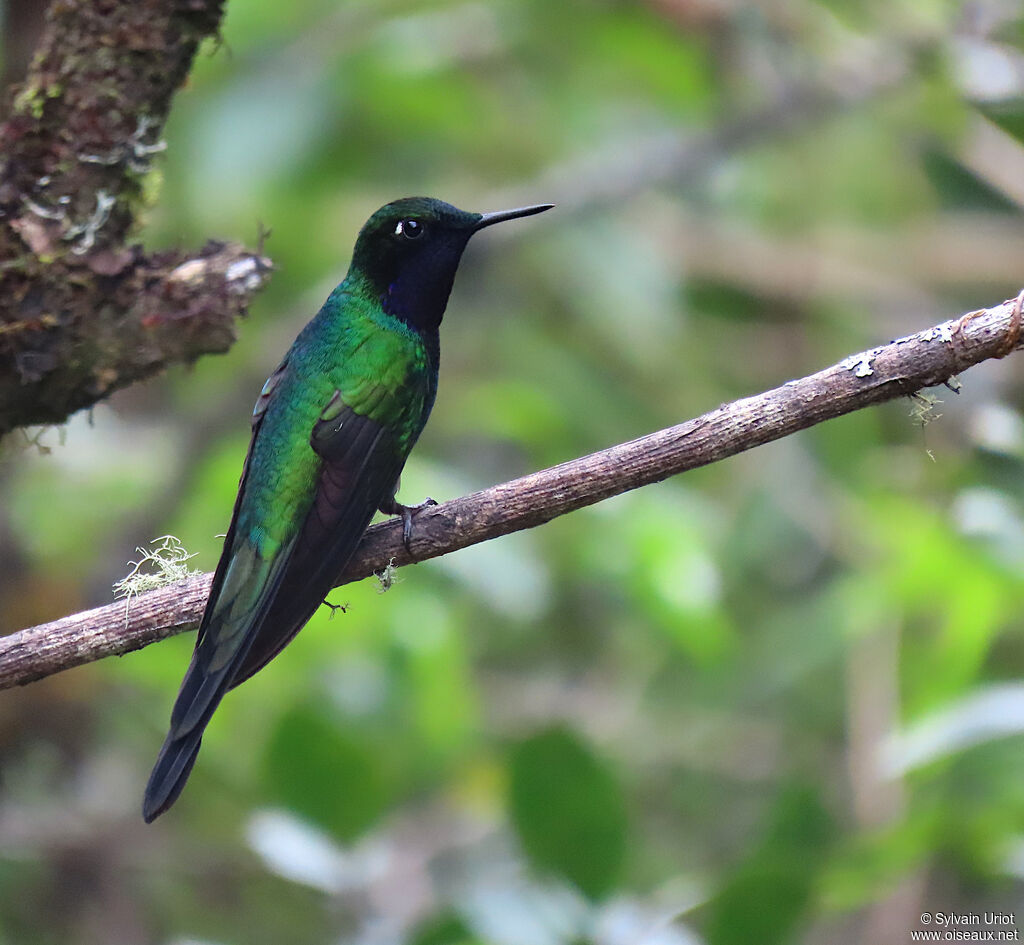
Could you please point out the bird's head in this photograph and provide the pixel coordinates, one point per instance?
(407, 253)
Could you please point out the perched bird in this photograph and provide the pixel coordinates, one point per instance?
(331, 431)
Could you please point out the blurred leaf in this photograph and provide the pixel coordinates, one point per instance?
(673, 577)
(991, 712)
(1008, 115)
(945, 584)
(446, 929)
(765, 899)
(336, 777)
(959, 189)
(568, 810)
(635, 46)
(442, 699)
(870, 865)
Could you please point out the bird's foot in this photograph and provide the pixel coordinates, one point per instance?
(406, 512)
(335, 608)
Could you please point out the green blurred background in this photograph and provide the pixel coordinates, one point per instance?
(774, 700)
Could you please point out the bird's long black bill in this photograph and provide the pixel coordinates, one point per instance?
(500, 216)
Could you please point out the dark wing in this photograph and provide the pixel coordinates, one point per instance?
(257, 604)
(361, 463)
(221, 641)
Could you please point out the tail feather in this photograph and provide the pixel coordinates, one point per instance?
(199, 690)
(224, 639)
(171, 771)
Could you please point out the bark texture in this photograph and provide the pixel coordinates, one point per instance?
(900, 368)
(82, 312)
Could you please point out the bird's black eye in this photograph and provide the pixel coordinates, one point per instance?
(410, 229)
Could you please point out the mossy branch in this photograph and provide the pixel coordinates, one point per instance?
(83, 312)
(898, 369)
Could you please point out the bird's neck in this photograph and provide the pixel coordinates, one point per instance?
(417, 297)
(388, 318)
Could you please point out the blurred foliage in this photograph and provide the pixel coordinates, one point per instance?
(774, 700)
(768, 893)
(567, 810)
(334, 778)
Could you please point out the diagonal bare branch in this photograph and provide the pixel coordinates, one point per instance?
(897, 369)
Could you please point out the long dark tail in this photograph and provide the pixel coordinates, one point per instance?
(242, 592)
(171, 771)
(200, 694)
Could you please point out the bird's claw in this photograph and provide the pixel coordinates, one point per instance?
(406, 512)
(335, 608)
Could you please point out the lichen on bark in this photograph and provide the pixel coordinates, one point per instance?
(83, 312)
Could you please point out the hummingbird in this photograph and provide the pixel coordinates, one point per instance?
(331, 431)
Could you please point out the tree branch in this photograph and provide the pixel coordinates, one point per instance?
(81, 312)
(897, 369)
